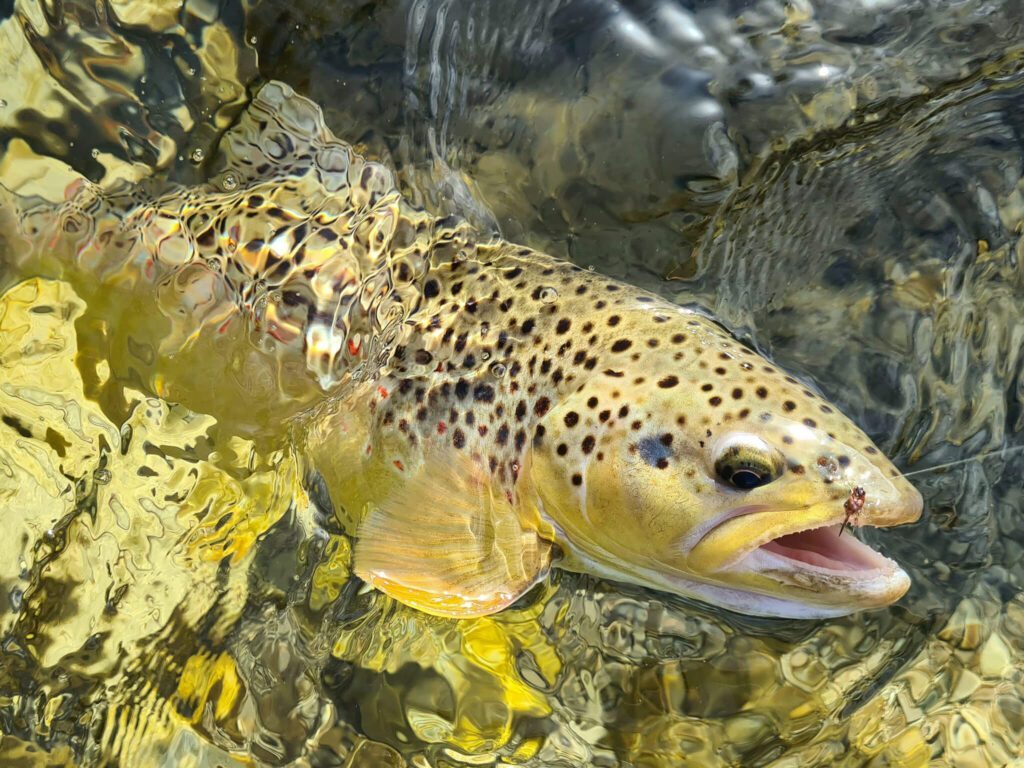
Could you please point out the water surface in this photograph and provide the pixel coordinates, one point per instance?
(840, 183)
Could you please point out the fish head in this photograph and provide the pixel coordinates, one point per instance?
(713, 474)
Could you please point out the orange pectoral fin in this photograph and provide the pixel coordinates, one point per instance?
(447, 544)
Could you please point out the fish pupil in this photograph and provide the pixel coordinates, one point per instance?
(745, 479)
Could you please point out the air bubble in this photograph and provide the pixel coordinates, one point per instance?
(229, 183)
(102, 476)
(498, 370)
(548, 295)
(485, 356)
(95, 153)
(198, 155)
(3, 103)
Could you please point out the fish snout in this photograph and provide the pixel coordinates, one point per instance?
(883, 505)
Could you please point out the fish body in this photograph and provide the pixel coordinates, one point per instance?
(478, 411)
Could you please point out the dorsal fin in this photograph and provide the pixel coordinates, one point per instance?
(449, 543)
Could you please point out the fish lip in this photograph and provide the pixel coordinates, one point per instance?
(705, 530)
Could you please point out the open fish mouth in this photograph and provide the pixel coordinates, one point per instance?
(798, 555)
(824, 549)
(827, 568)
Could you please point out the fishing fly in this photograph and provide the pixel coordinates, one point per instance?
(853, 506)
(855, 503)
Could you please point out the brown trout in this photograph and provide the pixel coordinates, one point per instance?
(478, 412)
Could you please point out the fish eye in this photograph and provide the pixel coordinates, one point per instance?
(747, 464)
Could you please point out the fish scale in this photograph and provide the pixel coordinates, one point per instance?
(479, 411)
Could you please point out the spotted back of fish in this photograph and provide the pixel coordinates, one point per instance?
(509, 335)
(297, 236)
(312, 248)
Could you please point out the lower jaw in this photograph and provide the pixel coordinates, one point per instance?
(833, 592)
(749, 590)
(767, 598)
(750, 602)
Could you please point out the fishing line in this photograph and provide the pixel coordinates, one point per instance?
(856, 501)
(979, 457)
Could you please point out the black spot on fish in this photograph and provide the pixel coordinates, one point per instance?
(652, 450)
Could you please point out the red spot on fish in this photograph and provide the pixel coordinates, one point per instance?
(399, 465)
(382, 392)
(72, 189)
(369, 450)
(149, 268)
(224, 326)
(353, 347)
(441, 427)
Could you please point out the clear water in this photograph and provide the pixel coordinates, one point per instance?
(840, 183)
